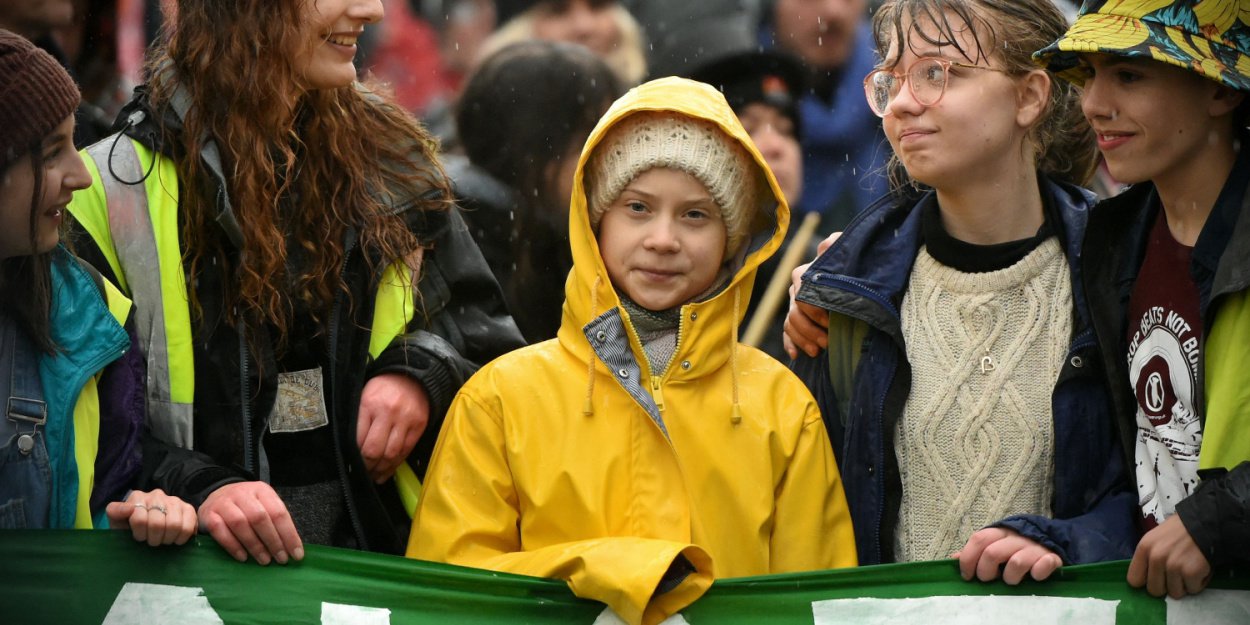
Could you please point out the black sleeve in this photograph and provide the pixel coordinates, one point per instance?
(463, 324)
(1217, 516)
(183, 473)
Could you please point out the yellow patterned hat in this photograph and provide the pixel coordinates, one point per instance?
(1209, 37)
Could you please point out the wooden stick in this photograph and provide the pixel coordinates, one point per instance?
(778, 285)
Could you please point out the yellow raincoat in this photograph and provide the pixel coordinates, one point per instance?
(547, 465)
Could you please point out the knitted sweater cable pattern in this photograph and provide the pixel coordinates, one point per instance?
(975, 441)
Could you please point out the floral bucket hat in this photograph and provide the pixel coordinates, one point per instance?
(1208, 37)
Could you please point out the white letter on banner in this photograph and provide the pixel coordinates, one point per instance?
(966, 610)
(1211, 607)
(338, 614)
(608, 617)
(157, 604)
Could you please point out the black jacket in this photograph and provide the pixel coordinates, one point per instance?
(1217, 514)
(461, 323)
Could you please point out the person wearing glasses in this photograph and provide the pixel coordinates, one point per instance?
(960, 383)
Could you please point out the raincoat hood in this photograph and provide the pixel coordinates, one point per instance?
(589, 293)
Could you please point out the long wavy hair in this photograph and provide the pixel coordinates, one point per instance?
(1007, 30)
(302, 166)
(26, 280)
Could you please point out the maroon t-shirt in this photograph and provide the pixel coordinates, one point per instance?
(1164, 348)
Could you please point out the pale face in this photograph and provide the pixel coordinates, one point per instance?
(974, 129)
(334, 26)
(821, 32)
(63, 172)
(586, 22)
(1152, 119)
(773, 134)
(34, 18)
(663, 240)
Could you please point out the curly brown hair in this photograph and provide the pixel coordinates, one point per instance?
(1009, 31)
(303, 167)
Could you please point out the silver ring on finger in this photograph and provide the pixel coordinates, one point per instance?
(139, 505)
(158, 508)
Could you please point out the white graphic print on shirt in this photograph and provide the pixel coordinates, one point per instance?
(1163, 357)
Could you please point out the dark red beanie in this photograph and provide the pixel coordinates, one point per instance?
(36, 95)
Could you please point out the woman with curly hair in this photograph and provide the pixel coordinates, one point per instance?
(310, 302)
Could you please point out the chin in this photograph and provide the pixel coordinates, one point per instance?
(331, 80)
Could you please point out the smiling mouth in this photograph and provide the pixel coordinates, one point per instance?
(343, 40)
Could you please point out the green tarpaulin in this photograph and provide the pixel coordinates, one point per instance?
(78, 577)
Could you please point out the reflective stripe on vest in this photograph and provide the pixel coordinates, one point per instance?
(135, 243)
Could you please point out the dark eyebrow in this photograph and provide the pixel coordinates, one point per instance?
(57, 137)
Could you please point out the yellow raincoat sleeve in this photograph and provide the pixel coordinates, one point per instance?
(812, 530)
(469, 515)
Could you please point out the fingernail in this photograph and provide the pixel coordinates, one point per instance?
(241, 556)
(299, 553)
(281, 557)
(263, 559)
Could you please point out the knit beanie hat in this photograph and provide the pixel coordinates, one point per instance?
(36, 95)
(651, 139)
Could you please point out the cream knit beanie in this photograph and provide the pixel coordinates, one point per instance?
(651, 139)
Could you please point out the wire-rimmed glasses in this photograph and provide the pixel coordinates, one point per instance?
(926, 77)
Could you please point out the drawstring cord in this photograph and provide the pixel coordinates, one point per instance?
(735, 416)
(589, 408)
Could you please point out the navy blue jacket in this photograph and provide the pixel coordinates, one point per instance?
(863, 381)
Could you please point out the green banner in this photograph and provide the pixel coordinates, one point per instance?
(104, 577)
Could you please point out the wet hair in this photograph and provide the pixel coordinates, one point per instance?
(26, 280)
(1008, 31)
(304, 166)
(528, 107)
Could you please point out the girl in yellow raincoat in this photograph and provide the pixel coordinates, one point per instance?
(644, 452)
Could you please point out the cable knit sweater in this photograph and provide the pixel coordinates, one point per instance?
(975, 441)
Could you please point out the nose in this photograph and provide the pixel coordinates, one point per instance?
(76, 176)
(904, 102)
(581, 19)
(662, 236)
(766, 141)
(831, 10)
(368, 11)
(1094, 101)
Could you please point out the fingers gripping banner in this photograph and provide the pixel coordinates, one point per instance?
(105, 578)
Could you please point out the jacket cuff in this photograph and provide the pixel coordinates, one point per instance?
(1028, 526)
(435, 375)
(1217, 515)
(206, 482)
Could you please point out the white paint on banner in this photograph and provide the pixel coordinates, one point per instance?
(158, 604)
(991, 610)
(1211, 607)
(339, 614)
(608, 617)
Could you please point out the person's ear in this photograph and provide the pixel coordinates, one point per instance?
(1225, 100)
(1032, 97)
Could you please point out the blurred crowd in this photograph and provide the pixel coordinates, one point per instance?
(512, 88)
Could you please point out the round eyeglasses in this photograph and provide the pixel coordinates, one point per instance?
(927, 78)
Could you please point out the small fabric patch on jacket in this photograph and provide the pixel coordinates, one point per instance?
(300, 404)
